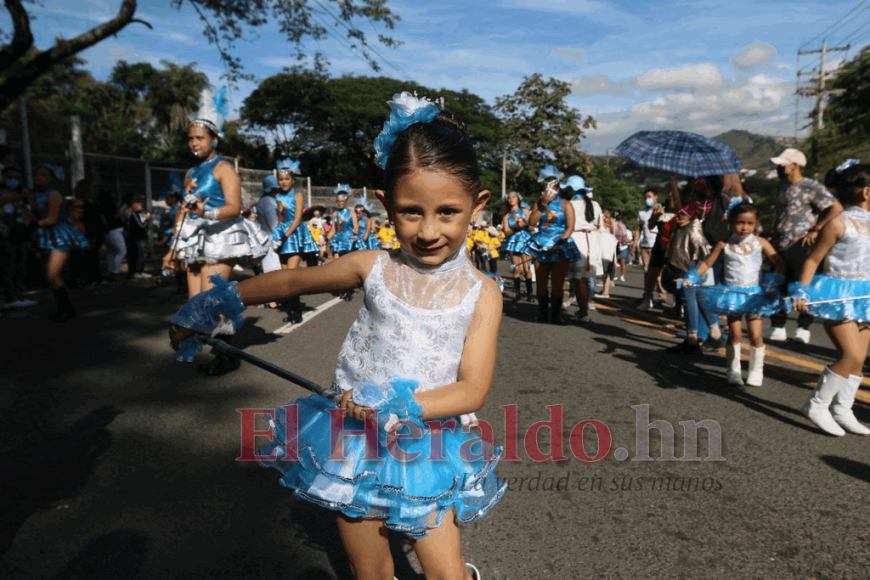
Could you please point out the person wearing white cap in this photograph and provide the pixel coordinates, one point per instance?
(587, 223)
(803, 206)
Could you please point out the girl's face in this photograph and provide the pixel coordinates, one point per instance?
(513, 199)
(432, 212)
(359, 213)
(42, 177)
(199, 141)
(744, 224)
(285, 180)
(137, 206)
(341, 201)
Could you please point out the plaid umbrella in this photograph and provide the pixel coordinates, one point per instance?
(679, 152)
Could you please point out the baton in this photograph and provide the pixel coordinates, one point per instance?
(229, 350)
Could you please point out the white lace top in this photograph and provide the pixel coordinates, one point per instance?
(742, 262)
(850, 256)
(412, 325)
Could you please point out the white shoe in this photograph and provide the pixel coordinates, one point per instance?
(475, 573)
(647, 304)
(568, 302)
(22, 303)
(802, 335)
(592, 306)
(584, 319)
(604, 296)
(621, 278)
(756, 367)
(841, 409)
(776, 334)
(817, 409)
(734, 371)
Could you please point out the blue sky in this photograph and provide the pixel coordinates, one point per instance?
(704, 65)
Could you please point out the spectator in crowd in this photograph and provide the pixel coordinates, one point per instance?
(15, 229)
(137, 238)
(92, 222)
(113, 221)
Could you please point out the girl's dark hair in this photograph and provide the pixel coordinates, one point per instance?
(847, 185)
(82, 188)
(715, 183)
(740, 209)
(442, 145)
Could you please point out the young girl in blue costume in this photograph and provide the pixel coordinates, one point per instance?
(363, 237)
(291, 236)
(212, 234)
(552, 246)
(844, 246)
(746, 292)
(423, 347)
(55, 236)
(515, 226)
(344, 224)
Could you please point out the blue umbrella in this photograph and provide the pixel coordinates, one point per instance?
(680, 152)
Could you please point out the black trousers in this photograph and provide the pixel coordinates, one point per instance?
(794, 257)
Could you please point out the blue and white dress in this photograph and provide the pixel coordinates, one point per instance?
(741, 292)
(846, 273)
(202, 240)
(412, 326)
(300, 241)
(550, 228)
(60, 237)
(518, 241)
(371, 243)
(342, 240)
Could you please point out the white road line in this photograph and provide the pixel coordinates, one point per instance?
(288, 328)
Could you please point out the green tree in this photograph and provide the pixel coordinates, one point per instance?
(331, 124)
(224, 23)
(539, 128)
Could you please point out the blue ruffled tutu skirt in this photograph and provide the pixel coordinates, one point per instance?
(371, 243)
(410, 496)
(299, 242)
(341, 244)
(828, 288)
(738, 301)
(540, 242)
(61, 237)
(517, 242)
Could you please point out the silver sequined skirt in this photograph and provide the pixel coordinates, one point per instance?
(212, 241)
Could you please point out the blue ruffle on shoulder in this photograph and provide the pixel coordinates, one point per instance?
(733, 301)
(540, 243)
(410, 496)
(61, 237)
(828, 288)
(517, 242)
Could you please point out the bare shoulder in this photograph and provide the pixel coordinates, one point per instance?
(223, 167)
(766, 245)
(363, 259)
(489, 291)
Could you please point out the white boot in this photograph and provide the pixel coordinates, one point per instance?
(841, 409)
(734, 372)
(817, 408)
(473, 571)
(756, 367)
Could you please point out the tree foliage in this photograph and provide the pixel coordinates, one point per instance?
(540, 127)
(331, 124)
(224, 22)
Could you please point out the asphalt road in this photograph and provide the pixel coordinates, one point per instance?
(118, 462)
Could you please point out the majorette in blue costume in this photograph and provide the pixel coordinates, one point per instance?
(341, 240)
(62, 236)
(544, 245)
(360, 241)
(207, 239)
(518, 241)
(300, 241)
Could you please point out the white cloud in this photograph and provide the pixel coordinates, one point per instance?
(685, 77)
(754, 56)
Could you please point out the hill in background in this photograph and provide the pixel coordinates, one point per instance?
(754, 150)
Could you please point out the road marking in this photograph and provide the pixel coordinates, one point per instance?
(290, 327)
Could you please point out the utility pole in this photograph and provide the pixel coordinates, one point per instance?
(819, 90)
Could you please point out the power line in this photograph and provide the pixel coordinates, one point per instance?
(854, 34)
(832, 26)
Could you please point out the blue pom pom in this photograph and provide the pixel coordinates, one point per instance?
(216, 311)
(187, 349)
(692, 277)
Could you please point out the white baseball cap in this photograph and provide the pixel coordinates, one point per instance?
(790, 156)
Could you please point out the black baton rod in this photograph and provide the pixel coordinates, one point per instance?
(238, 353)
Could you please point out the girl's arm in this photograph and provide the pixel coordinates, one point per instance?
(770, 253)
(232, 187)
(711, 259)
(355, 222)
(297, 219)
(477, 365)
(829, 236)
(535, 216)
(54, 201)
(569, 220)
(368, 231)
(505, 225)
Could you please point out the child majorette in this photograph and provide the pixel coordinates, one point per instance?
(515, 226)
(364, 238)
(423, 348)
(292, 237)
(745, 290)
(841, 296)
(340, 236)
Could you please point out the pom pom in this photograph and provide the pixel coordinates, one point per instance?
(187, 349)
(550, 171)
(693, 278)
(216, 311)
(407, 110)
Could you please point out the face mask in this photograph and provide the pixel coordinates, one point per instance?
(12, 183)
(650, 202)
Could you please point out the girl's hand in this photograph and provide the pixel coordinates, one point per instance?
(800, 305)
(358, 412)
(168, 262)
(177, 334)
(199, 208)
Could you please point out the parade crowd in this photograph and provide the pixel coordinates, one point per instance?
(434, 299)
